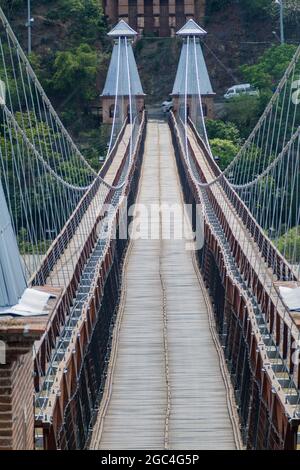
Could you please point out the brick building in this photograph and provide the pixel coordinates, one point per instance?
(159, 17)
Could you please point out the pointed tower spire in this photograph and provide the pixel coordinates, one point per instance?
(191, 28)
(117, 82)
(122, 29)
(12, 279)
(198, 77)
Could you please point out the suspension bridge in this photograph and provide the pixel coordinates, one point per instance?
(184, 334)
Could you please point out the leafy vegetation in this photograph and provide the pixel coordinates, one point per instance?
(157, 60)
(76, 70)
(224, 140)
(244, 111)
(249, 6)
(17, 162)
(269, 69)
(85, 17)
(223, 130)
(289, 245)
(225, 150)
(70, 68)
(213, 6)
(9, 5)
(257, 9)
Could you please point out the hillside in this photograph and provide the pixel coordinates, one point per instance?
(71, 54)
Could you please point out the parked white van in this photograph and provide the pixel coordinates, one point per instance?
(167, 106)
(238, 90)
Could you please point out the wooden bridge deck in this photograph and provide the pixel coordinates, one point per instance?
(167, 386)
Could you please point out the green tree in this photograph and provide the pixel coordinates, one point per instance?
(226, 150)
(269, 69)
(291, 11)
(218, 129)
(257, 8)
(75, 72)
(289, 245)
(10, 6)
(25, 179)
(243, 111)
(265, 75)
(86, 16)
(216, 5)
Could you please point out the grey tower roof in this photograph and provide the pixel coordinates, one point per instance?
(122, 31)
(12, 280)
(191, 28)
(188, 53)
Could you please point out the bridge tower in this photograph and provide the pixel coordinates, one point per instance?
(193, 82)
(116, 84)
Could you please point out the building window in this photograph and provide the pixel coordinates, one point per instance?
(182, 110)
(112, 111)
(204, 109)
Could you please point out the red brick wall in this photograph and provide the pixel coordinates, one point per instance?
(16, 404)
(163, 17)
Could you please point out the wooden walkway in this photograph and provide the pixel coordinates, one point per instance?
(167, 385)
